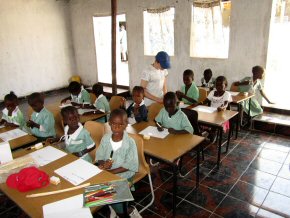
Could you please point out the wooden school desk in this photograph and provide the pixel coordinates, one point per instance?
(169, 149)
(216, 120)
(18, 142)
(83, 118)
(33, 206)
(237, 100)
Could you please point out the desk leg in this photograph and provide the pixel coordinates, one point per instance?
(125, 209)
(197, 165)
(249, 111)
(238, 124)
(175, 171)
(220, 132)
(229, 135)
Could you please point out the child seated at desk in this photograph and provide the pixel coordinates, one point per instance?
(117, 152)
(137, 111)
(252, 84)
(189, 92)
(42, 120)
(172, 117)
(219, 99)
(207, 80)
(101, 102)
(79, 96)
(12, 115)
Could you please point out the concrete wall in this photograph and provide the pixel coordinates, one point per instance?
(250, 22)
(36, 52)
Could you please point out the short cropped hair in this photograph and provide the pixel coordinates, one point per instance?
(35, 97)
(98, 89)
(11, 97)
(74, 87)
(67, 110)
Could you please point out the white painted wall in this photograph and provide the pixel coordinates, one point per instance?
(250, 22)
(36, 52)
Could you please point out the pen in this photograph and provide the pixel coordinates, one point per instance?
(158, 124)
(111, 155)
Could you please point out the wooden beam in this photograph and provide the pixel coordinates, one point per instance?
(114, 48)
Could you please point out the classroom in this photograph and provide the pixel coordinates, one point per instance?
(233, 165)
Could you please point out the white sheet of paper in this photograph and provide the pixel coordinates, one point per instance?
(78, 171)
(153, 131)
(65, 105)
(131, 120)
(234, 93)
(47, 155)
(5, 153)
(206, 109)
(12, 134)
(183, 105)
(70, 207)
(82, 111)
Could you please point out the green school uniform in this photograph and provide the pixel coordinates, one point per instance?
(16, 117)
(102, 104)
(178, 121)
(78, 141)
(192, 92)
(126, 156)
(46, 121)
(256, 108)
(82, 97)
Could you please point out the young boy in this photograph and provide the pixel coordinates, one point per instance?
(173, 118)
(189, 93)
(101, 102)
(118, 152)
(137, 111)
(12, 115)
(153, 79)
(79, 96)
(207, 80)
(42, 120)
(252, 84)
(77, 139)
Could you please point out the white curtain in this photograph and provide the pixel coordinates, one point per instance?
(209, 37)
(159, 31)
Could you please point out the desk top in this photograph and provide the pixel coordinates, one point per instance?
(18, 142)
(33, 206)
(240, 97)
(217, 118)
(168, 149)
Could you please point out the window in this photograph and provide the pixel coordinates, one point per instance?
(103, 44)
(159, 31)
(277, 75)
(210, 29)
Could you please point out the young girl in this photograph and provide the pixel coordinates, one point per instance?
(118, 152)
(172, 117)
(42, 120)
(79, 96)
(189, 93)
(101, 102)
(252, 84)
(12, 116)
(207, 80)
(137, 111)
(77, 139)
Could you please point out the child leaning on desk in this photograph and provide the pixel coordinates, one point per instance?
(172, 117)
(77, 139)
(42, 121)
(79, 96)
(117, 152)
(189, 92)
(12, 115)
(137, 111)
(219, 98)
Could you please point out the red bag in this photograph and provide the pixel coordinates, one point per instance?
(27, 179)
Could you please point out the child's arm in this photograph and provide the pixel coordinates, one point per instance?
(174, 131)
(223, 107)
(32, 124)
(205, 102)
(264, 95)
(2, 122)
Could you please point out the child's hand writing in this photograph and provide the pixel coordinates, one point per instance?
(171, 131)
(180, 94)
(106, 165)
(159, 127)
(32, 124)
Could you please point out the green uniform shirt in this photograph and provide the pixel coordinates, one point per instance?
(102, 104)
(178, 121)
(46, 121)
(126, 156)
(78, 141)
(82, 97)
(192, 92)
(16, 117)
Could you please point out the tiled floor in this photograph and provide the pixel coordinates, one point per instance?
(253, 181)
